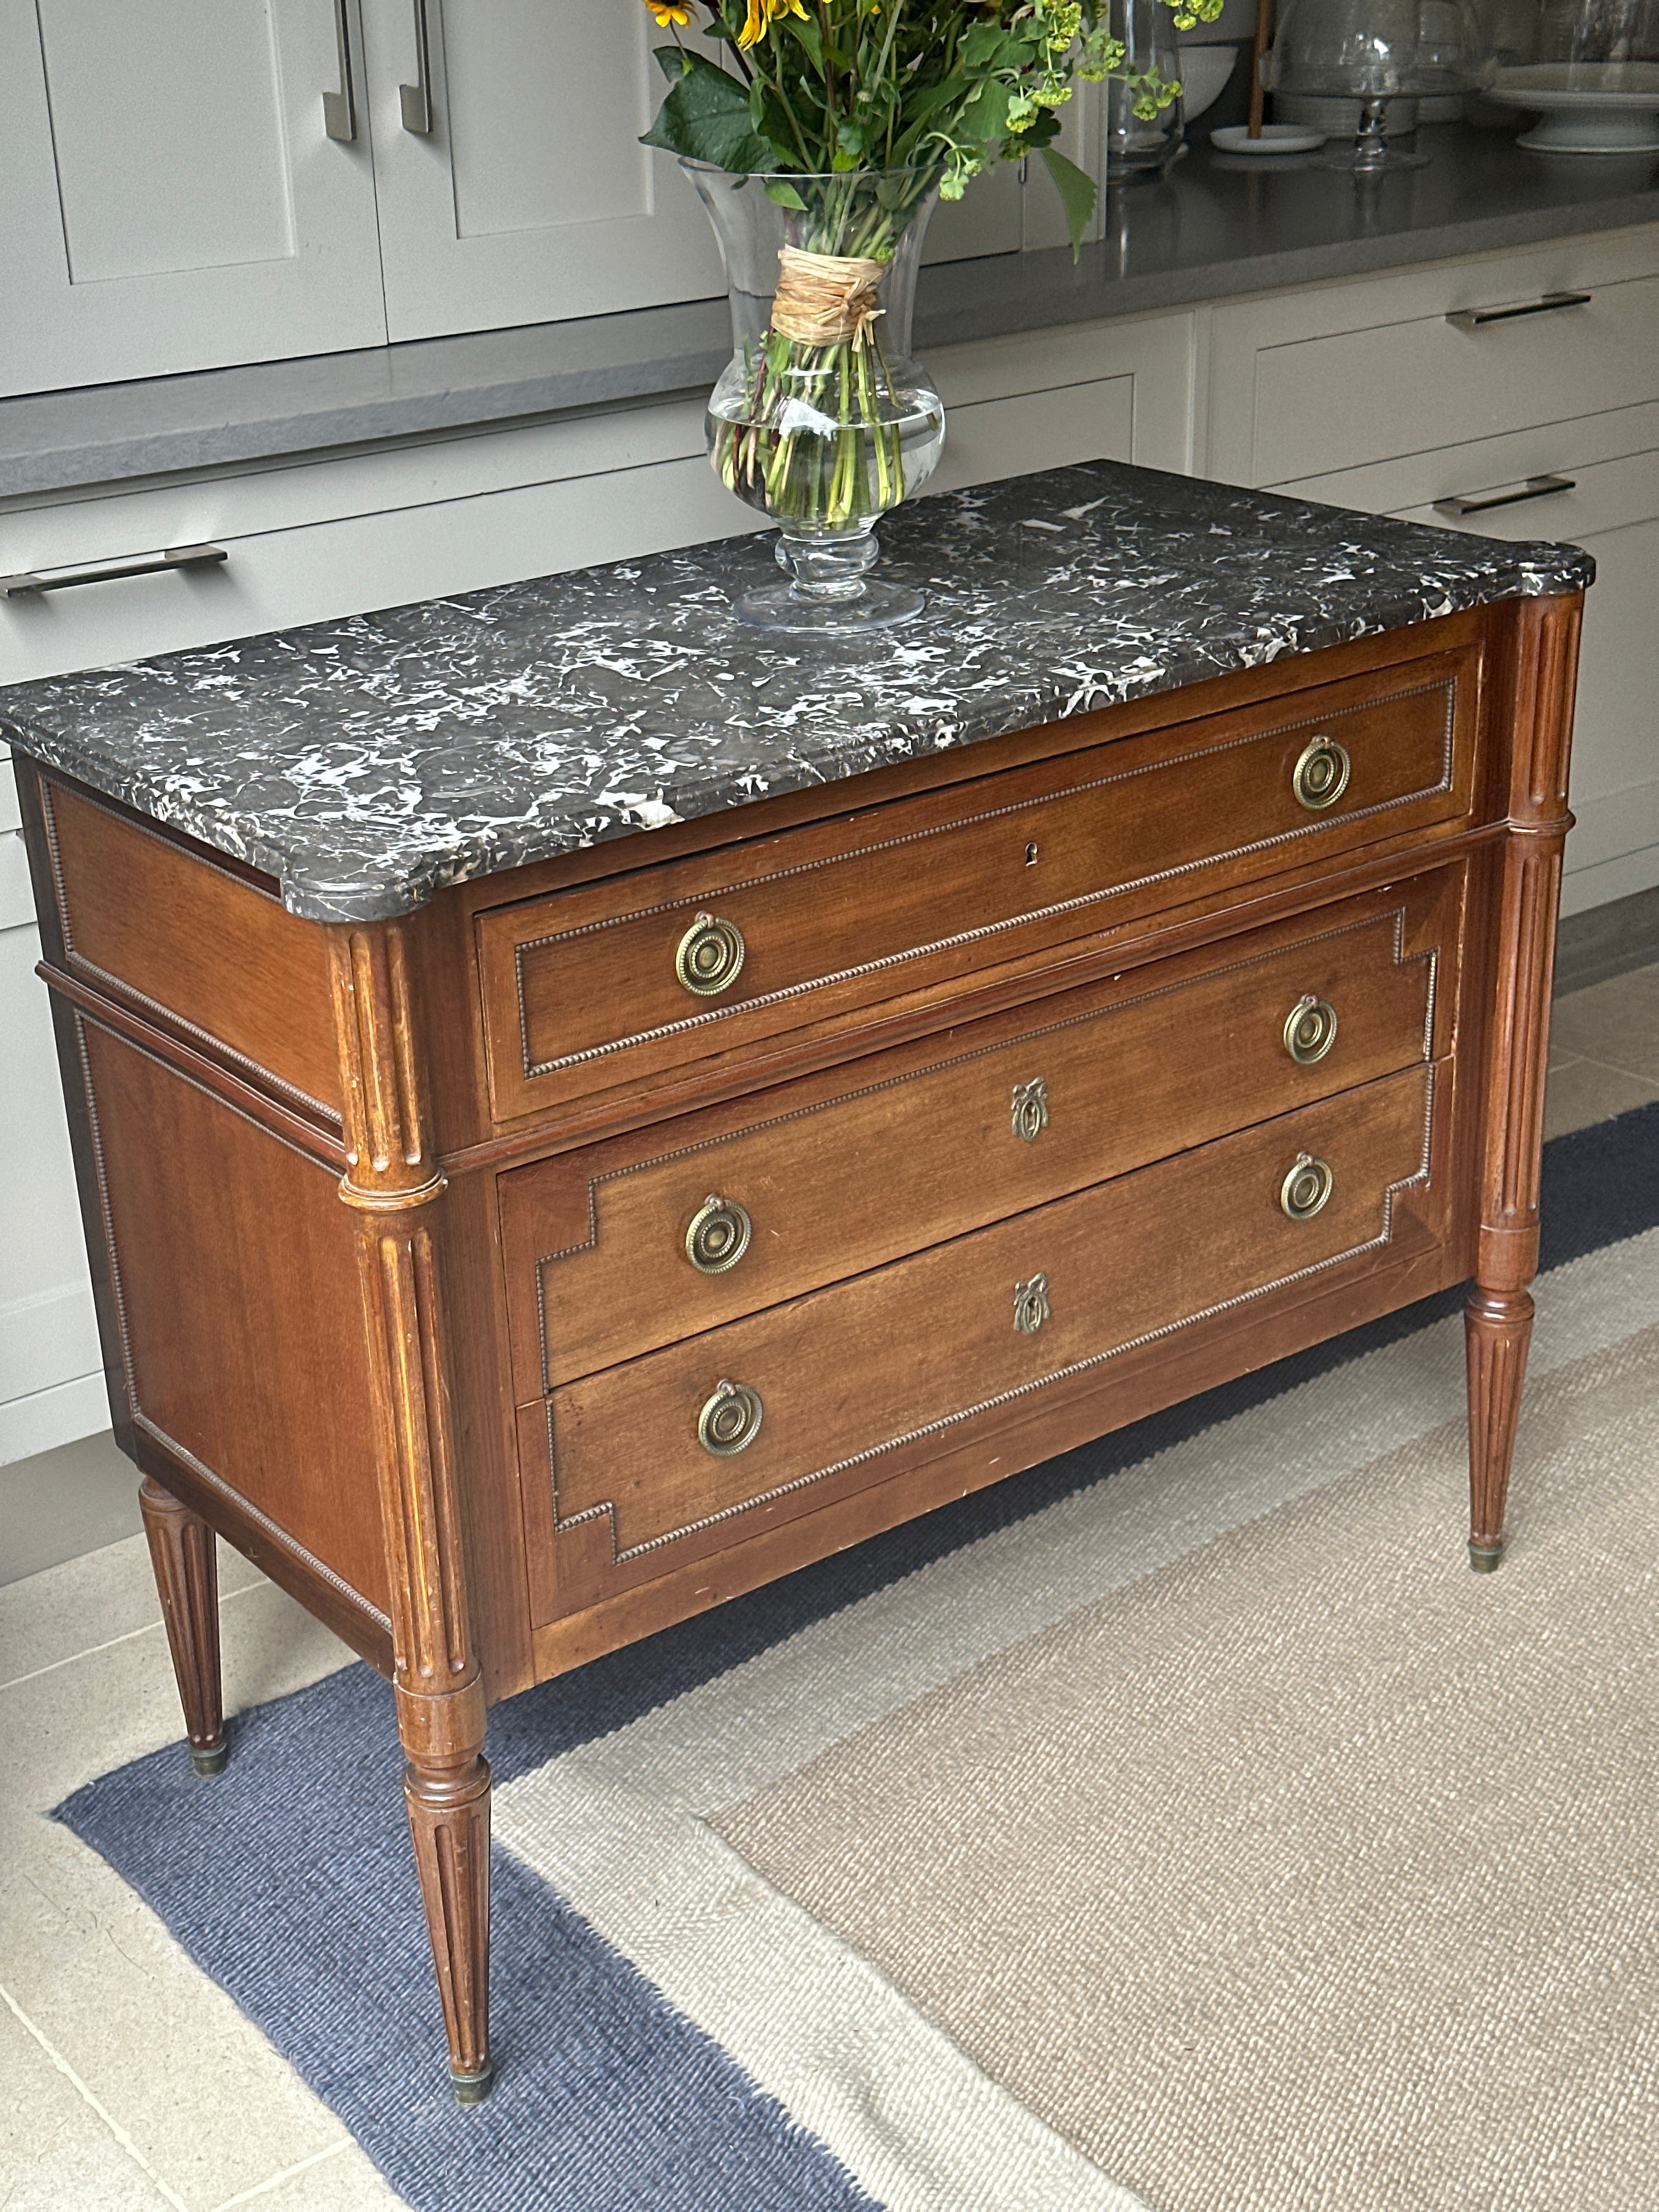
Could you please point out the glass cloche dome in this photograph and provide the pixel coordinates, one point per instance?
(1375, 50)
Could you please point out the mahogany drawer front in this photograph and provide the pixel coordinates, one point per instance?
(907, 1148)
(581, 988)
(912, 1350)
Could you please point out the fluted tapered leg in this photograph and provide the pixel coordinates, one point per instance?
(395, 1188)
(181, 1550)
(1498, 1319)
(1498, 1325)
(449, 1821)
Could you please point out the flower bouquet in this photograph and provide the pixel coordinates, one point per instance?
(820, 139)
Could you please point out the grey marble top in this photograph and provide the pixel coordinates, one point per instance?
(367, 762)
(1212, 227)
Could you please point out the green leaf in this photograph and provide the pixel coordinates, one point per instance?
(778, 189)
(986, 45)
(803, 29)
(1077, 194)
(985, 117)
(706, 115)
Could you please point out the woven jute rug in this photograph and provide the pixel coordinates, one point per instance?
(1310, 1870)
(1181, 1826)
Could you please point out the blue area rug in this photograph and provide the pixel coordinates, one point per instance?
(288, 1879)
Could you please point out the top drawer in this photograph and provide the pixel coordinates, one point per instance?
(632, 979)
(1336, 401)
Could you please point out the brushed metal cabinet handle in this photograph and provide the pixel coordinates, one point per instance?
(340, 108)
(146, 564)
(1535, 488)
(1475, 318)
(416, 98)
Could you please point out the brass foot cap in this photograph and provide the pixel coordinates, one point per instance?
(1484, 1558)
(473, 2088)
(209, 1759)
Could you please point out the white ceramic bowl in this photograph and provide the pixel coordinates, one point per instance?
(1205, 71)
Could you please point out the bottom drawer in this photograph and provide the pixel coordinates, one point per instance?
(830, 1383)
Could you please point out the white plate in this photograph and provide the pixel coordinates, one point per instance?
(1276, 138)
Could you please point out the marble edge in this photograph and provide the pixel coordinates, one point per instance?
(1540, 570)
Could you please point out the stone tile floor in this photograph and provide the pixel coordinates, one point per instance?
(132, 2079)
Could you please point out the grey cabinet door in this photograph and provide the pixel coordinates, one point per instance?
(527, 196)
(172, 198)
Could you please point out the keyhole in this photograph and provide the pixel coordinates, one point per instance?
(1030, 856)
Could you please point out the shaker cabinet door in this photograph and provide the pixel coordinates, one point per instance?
(513, 188)
(174, 199)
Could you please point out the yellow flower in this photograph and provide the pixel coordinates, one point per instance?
(669, 12)
(761, 14)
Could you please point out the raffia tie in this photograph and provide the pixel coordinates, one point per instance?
(826, 299)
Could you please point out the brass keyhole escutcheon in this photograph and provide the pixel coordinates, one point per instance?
(729, 1420)
(1320, 775)
(1032, 1306)
(1309, 1030)
(1305, 1190)
(719, 1235)
(710, 955)
(1029, 1113)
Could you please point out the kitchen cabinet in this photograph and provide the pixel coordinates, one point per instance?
(1516, 396)
(173, 200)
(512, 189)
(214, 181)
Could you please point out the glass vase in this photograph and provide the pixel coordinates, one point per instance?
(1138, 144)
(822, 420)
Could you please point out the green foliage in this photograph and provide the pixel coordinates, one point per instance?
(1076, 190)
(707, 115)
(941, 85)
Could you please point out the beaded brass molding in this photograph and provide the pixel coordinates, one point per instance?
(1314, 827)
(1394, 916)
(605, 1509)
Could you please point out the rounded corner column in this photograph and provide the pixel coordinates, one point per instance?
(1498, 1314)
(394, 1188)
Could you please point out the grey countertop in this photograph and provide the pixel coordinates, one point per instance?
(367, 762)
(1210, 228)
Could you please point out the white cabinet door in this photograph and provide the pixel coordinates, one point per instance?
(512, 186)
(172, 198)
(52, 1384)
(528, 199)
(1611, 508)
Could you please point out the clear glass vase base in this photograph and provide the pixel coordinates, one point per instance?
(875, 605)
(1348, 162)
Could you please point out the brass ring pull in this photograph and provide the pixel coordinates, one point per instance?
(729, 1420)
(719, 1235)
(1309, 1030)
(1305, 1190)
(710, 955)
(1032, 1306)
(1320, 775)
(1029, 1113)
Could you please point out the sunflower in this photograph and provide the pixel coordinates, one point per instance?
(668, 13)
(761, 14)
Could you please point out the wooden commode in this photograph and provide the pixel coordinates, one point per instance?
(513, 1274)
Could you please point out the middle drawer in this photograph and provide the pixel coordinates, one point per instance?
(629, 1245)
